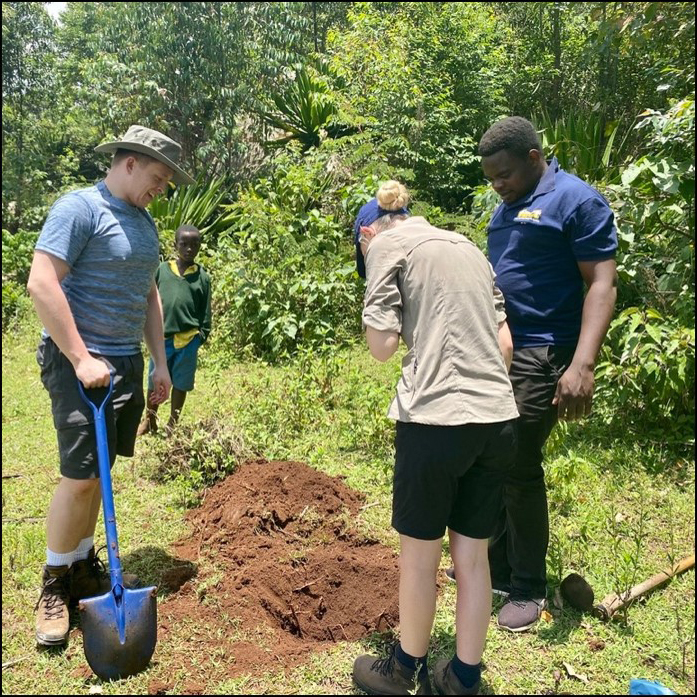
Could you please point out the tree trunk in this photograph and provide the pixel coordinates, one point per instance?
(556, 47)
(314, 25)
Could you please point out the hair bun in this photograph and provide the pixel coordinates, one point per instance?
(392, 196)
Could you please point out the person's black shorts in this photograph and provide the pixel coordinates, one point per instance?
(73, 419)
(450, 477)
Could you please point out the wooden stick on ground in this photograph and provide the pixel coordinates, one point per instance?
(614, 602)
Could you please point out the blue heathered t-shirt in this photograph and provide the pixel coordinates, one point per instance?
(113, 252)
(535, 245)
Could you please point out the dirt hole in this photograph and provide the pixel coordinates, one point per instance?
(292, 576)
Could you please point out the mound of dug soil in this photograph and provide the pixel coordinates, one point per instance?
(291, 576)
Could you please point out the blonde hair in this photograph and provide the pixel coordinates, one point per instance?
(392, 196)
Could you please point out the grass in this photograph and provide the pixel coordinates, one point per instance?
(620, 510)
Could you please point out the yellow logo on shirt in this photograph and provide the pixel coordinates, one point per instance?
(529, 215)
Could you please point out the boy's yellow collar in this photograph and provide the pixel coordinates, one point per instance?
(175, 269)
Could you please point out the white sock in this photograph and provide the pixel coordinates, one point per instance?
(83, 549)
(54, 559)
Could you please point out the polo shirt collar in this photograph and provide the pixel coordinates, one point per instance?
(175, 268)
(546, 184)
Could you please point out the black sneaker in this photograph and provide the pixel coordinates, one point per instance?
(387, 676)
(497, 587)
(519, 614)
(447, 683)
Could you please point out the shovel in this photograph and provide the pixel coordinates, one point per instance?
(119, 628)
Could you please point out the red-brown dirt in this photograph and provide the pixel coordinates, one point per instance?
(292, 576)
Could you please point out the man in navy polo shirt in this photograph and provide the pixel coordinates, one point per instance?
(552, 235)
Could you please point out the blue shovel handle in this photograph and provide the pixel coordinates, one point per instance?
(103, 460)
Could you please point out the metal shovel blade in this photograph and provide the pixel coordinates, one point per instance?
(119, 631)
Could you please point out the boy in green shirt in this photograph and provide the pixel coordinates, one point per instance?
(185, 289)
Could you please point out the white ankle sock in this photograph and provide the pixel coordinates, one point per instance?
(54, 559)
(83, 549)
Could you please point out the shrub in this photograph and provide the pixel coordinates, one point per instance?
(200, 204)
(647, 373)
(284, 272)
(654, 203)
(200, 454)
(17, 253)
(15, 304)
(427, 99)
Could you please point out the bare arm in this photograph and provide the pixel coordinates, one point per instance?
(382, 344)
(574, 395)
(44, 286)
(155, 341)
(506, 344)
(205, 328)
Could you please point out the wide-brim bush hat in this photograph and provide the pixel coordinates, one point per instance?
(152, 143)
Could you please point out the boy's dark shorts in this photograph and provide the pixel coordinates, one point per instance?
(73, 419)
(450, 477)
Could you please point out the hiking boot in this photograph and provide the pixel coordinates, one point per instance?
(90, 578)
(387, 676)
(497, 587)
(52, 619)
(447, 683)
(519, 614)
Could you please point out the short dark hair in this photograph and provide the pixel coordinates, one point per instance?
(515, 134)
(185, 228)
(123, 153)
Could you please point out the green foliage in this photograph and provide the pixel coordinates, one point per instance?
(275, 415)
(316, 402)
(670, 131)
(563, 474)
(307, 109)
(654, 203)
(124, 63)
(284, 272)
(358, 164)
(424, 96)
(584, 144)
(484, 202)
(200, 204)
(628, 536)
(579, 58)
(15, 304)
(647, 374)
(17, 254)
(28, 89)
(652, 40)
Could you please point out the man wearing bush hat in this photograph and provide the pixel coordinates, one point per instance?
(92, 282)
(139, 139)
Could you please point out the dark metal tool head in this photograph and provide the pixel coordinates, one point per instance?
(577, 592)
(120, 631)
